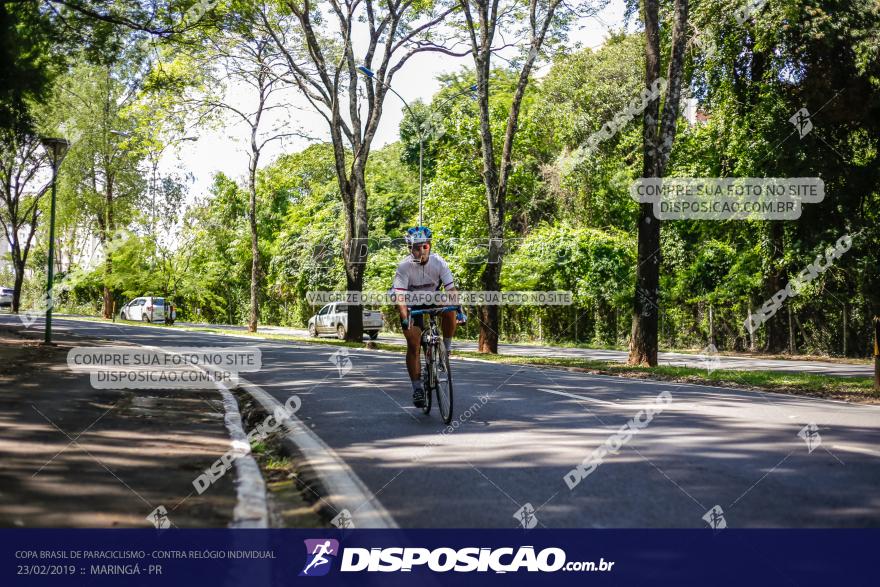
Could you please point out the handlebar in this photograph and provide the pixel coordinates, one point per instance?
(433, 310)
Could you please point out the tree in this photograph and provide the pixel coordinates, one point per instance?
(23, 166)
(161, 19)
(29, 62)
(102, 174)
(250, 60)
(215, 285)
(38, 36)
(581, 92)
(482, 20)
(324, 68)
(658, 136)
(760, 72)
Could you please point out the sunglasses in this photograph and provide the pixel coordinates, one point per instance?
(419, 247)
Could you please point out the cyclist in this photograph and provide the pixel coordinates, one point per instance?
(423, 271)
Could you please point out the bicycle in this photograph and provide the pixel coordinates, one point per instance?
(436, 374)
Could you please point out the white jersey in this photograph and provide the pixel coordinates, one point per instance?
(413, 276)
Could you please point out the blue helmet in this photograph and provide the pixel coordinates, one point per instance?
(417, 235)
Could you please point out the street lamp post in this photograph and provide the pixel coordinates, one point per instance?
(57, 148)
(370, 74)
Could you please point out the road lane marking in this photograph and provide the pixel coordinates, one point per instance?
(856, 449)
(580, 397)
(645, 406)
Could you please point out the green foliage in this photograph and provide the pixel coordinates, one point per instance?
(570, 221)
(29, 61)
(305, 252)
(581, 93)
(595, 265)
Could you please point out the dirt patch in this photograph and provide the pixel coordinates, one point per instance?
(17, 349)
(292, 502)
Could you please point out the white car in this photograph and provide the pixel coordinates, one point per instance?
(333, 319)
(6, 297)
(147, 309)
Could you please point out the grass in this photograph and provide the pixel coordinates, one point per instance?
(857, 389)
(852, 389)
(292, 502)
(695, 351)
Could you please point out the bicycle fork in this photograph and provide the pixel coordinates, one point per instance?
(429, 342)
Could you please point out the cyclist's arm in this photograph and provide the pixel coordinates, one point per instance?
(452, 299)
(399, 288)
(449, 285)
(403, 310)
(452, 296)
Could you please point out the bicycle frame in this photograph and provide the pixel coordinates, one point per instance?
(430, 342)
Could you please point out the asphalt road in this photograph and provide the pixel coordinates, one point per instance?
(664, 358)
(709, 447)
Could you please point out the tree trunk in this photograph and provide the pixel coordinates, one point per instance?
(657, 136)
(876, 321)
(108, 296)
(255, 246)
(255, 271)
(775, 280)
(19, 261)
(18, 265)
(751, 332)
(487, 341)
(490, 324)
(646, 308)
(108, 261)
(355, 253)
(16, 286)
(643, 339)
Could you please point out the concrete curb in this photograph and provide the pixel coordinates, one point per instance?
(251, 506)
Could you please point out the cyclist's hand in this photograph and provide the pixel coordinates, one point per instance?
(405, 322)
(460, 316)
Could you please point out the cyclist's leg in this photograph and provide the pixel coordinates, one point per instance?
(413, 337)
(413, 342)
(448, 324)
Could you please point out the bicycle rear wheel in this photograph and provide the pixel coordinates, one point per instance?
(444, 384)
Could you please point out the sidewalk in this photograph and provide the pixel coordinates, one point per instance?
(75, 456)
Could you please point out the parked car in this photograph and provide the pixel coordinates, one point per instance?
(333, 319)
(146, 309)
(6, 297)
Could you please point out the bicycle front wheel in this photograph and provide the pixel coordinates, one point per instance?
(427, 383)
(444, 384)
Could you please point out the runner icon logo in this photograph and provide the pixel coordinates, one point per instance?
(320, 553)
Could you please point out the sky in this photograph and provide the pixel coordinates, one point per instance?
(221, 149)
